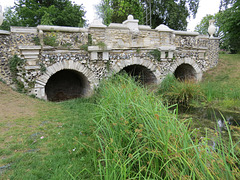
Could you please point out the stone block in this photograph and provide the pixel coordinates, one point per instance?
(31, 62)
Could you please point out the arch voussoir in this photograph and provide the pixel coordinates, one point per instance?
(63, 65)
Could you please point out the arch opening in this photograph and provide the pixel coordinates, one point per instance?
(185, 72)
(140, 74)
(67, 84)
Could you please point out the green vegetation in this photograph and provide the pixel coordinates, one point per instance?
(219, 88)
(182, 93)
(156, 54)
(14, 64)
(171, 13)
(122, 132)
(221, 84)
(227, 23)
(36, 41)
(50, 39)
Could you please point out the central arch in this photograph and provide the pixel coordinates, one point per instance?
(140, 74)
(142, 69)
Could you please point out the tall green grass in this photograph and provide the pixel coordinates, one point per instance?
(138, 138)
(124, 132)
(178, 92)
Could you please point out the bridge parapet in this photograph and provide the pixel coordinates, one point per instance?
(101, 49)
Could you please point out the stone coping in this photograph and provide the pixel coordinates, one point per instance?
(22, 47)
(2, 32)
(23, 30)
(214, 38)
(117, 26)
(202, 36)
(61, 28)
(97, 49)
(186, 33)
(144, 27)
(167, 48)
(63, 51)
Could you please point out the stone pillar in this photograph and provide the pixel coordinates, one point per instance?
(132, 24)
(98, 53)
(97, 31)
(166, 42)
(213, 50)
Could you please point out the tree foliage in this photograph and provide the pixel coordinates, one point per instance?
(116, 11)
(49, 12)
(173, 13)
(228, 26)
(11, 18)
(231, 27)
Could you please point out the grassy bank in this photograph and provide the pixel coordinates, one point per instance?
(124, 132)
(221, 84)
(219, 88)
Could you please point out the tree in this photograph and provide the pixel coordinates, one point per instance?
(116, 11)
(224, 4)
(231, 25)
(52, 12)
(228, 25)
(11, 18)
(202, 27)
(173, 13)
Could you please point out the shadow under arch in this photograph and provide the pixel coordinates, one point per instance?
(66, 84)
(140, 74)
(66, 80)
(185, 72)
(143, 70)
(186, 69)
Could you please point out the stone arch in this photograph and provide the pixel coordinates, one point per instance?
(140, 64)
(185, 68)
(71, 69)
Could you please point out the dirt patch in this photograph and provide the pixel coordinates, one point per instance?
(14, 105)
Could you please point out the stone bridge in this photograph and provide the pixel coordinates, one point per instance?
(67, 62)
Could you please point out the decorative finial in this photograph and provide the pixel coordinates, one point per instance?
(130, 17)
(211, 28)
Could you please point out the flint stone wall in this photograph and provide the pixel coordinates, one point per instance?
(102, 50)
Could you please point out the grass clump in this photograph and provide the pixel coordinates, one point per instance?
(178, 92)
(139, 139)
(50, 39)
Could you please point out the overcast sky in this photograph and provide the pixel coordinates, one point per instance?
(205, 7)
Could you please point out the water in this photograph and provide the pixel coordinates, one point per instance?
(212, 123)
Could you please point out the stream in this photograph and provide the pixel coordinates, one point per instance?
(212, 121)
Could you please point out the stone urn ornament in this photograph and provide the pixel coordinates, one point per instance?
(211, 28)
(1, 15)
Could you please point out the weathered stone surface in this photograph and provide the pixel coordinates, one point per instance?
(126, 44)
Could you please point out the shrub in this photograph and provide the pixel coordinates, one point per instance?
(156, 54)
